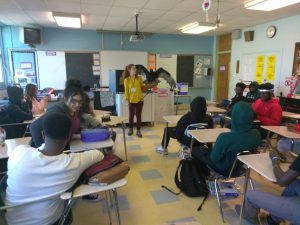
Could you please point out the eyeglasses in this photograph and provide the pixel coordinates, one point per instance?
(74, 101)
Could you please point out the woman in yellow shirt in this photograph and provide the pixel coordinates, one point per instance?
(134, 87)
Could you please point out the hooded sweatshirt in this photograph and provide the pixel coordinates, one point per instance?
(268, 112)
(241, 137)
(197, 115)
(252, 96)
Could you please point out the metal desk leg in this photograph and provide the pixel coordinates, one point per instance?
(176, 105)
(191, 146)
(244, 194)
(165, 140)
(107, 207)
(292, 145)
(124, 139)
(115, 194)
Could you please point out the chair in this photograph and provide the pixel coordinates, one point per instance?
(236, 170)
(183, 151)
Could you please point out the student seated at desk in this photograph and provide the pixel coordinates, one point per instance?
(70, 106)
(37, 107)
(42, 174)
(284, 207)
(267, 109)
(253, 93)
(239, 90)
(197, 115)
(241, 137)
(17, 111)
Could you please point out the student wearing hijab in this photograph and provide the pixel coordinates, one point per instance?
(241, 137)
(197, 115)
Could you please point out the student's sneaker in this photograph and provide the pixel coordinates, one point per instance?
(160, 149)
(130, 132)
(92, 198)
(252, 221)
(139, 134)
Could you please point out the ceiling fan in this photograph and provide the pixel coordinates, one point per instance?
(137, 37)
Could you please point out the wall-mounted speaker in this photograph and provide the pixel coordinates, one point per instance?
(249, 35)
(236, 34)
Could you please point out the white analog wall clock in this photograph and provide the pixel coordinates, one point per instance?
(271, 31)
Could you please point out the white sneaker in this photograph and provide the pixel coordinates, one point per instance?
(160, 149)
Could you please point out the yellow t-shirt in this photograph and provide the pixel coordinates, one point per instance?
(133, 89)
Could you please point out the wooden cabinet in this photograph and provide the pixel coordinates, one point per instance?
(296, 65)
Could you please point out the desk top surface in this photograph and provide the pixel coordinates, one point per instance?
(214, 109)
(291, 115)
(207, 135)
(101, 112)
(283, 131)
(114, 120)
(172, 119)
(76, 145)
(85, 189)
(262, 164)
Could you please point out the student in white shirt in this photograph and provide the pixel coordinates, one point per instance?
(43, 174)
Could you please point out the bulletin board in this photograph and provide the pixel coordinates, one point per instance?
(261, 67)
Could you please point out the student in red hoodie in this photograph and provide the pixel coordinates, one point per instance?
(267, 108)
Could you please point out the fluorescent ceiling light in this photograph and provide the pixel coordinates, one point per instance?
(67, 19)
(198, 28)
(269, 5)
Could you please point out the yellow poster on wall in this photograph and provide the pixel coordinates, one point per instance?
(260, 61)
(270, 71)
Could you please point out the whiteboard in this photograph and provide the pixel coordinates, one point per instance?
(168, 62)
(51, 69)
(117, 60)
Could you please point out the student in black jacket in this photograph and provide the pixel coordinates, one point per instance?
(197, 115)
(239, 91)
(18, 111)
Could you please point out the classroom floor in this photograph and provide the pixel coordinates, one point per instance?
(143, 202)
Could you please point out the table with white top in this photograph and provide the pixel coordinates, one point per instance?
(114, 120)
(262, 164)
(85, 189)
(77, 145)
(282, 131)
(10, 144)
(214, 109)
(206, 135)
(170, 119)
(291, 115)
(101, 112)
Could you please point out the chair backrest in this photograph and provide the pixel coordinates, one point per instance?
(3, 186)
(194, 126)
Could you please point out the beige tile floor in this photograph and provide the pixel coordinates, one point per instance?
(149, 170)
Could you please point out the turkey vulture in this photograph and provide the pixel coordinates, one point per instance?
(152, 77)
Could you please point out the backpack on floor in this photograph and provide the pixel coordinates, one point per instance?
(190, 178)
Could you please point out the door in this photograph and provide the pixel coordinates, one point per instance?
(223, 76)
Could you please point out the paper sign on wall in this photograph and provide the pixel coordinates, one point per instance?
(260, 60)
(270, 72)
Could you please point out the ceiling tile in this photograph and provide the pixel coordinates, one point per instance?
(93, 19)
(174, 16)
(123, 11)
(59, 6)
(40, 16)
(31, 4)
(130, 3)
(189, 6)
(158, 4)
(96, 9)
(151, 13)
(100, 2)
(116, 21)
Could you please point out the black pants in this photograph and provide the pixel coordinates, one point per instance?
(203, 155)
(171, 133)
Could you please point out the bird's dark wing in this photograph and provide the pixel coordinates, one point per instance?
(141, 70)
(163, 74)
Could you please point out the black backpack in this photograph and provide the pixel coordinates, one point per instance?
(190, 179)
